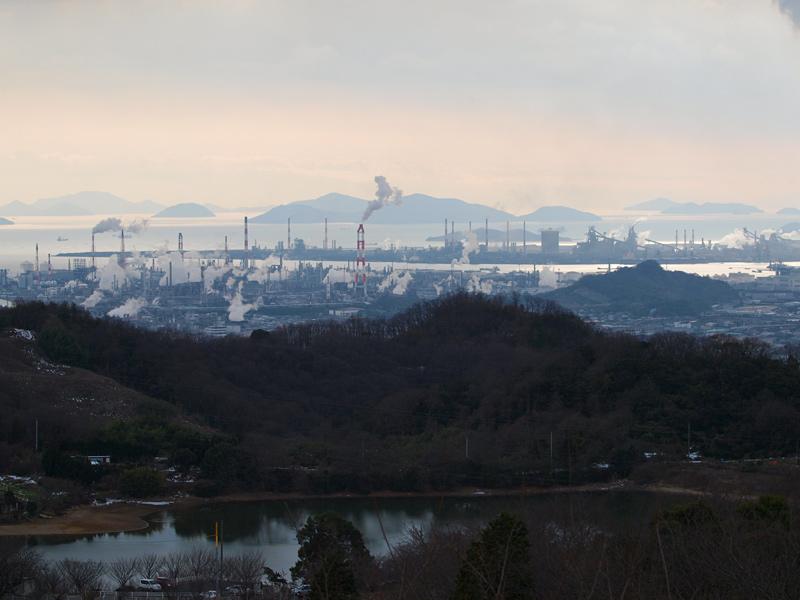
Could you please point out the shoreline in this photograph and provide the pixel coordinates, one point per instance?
(122, 515)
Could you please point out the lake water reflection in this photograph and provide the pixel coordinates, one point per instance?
(269, 526)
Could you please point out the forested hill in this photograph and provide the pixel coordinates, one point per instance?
(646, 288)
(390, 403)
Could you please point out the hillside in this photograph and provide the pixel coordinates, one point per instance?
(547, 214)
(654, 204)
(185, 210)
(312, 407)
(645, 288)
(81, 203)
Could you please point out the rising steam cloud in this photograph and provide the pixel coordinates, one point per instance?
(385, 195)
(115, 224)
(131, 308)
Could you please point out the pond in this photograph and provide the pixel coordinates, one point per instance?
(269, 526)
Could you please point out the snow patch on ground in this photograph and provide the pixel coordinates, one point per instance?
(23, 333)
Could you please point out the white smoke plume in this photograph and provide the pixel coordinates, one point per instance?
(92, 300)
(641, 238)
(110, 224)
(469, 241)
(400, 282)
(136, 226)
(738, 239)
(548, 278)
(478, 285)
(131, 308)
(185, 269)
(112, 273)
(338, 276)
(115, 224)
(211, 274)
(238, 308)
(385, 195)
(264, 273)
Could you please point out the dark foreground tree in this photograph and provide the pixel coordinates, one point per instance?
(497, 564)
(332, 557)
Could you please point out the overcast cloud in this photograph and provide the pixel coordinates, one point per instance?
(516, 104)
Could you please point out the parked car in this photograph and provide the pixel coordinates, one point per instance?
(210, 594)
(302, 591)
(151, 585)
(235, 590)
(166, 582)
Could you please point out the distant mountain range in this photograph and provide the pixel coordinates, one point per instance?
(414, 209)
(667, 207)
(655, 204)
(186, 210)
(82, 203)
(215, 208)
(337, 208)
(5, 221)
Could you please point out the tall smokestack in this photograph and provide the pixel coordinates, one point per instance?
(94, 267)
(361, 275)
(325, 245)
(523, 237)
(180, 244)
(487, 234)
(227, 254)
(289, 233)
(453, 235)
(49, 267)
(445, 233)
(122, 248)
(246, 260)
(37, 262)
(508, 237)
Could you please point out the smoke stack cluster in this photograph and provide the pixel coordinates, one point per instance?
(361, 275)
(246, 261)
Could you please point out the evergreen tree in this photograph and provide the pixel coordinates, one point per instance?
(497, 564)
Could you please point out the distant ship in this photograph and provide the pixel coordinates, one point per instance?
(60, 239)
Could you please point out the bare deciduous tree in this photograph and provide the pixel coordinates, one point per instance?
(149, 564)
(246, 569)
(120, 570)
(200, 568)
(83, 575)
(51, 582)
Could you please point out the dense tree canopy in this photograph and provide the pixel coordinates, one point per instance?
(503, 391)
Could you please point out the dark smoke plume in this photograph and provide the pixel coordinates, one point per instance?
(385, 195)
(791, 8)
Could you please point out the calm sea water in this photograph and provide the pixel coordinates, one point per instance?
(269, 526)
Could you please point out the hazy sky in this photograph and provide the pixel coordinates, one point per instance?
(594, 104)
